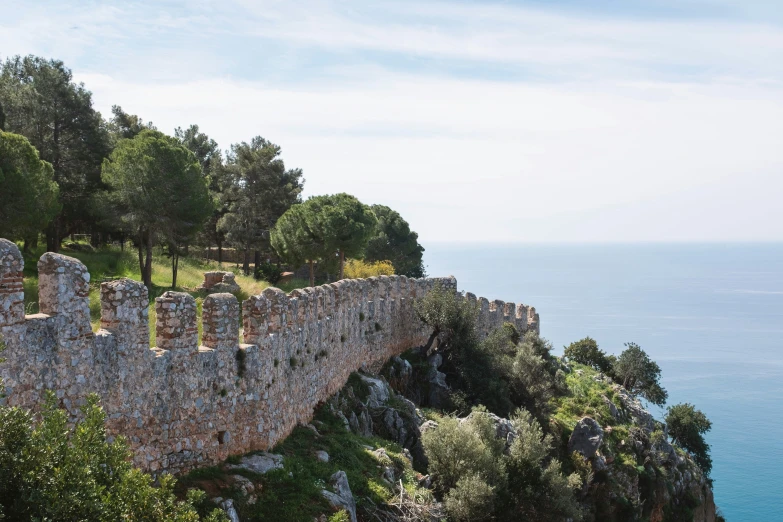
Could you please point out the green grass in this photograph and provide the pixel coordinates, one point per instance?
(110, 263)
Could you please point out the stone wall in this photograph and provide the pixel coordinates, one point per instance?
(182, 404)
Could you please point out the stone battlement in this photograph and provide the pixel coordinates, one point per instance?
(186, 403)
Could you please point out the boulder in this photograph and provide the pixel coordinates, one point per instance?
(634, 408)
(228, 506)
(260, 463)
(586, 437)
(398, 373)
(378, 391)
(613, 411)
(322, 456)
(341, 497)
(439, 393)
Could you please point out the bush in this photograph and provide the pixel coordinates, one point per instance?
(534, 378)
(358, 269)
(456, 450)
(49, 471)
(268, 272)
(471, 500)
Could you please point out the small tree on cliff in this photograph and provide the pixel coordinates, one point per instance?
(157, 191)
(686, 426)
(29, 195)
(639, 374)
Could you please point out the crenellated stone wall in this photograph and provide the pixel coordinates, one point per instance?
(183, 403)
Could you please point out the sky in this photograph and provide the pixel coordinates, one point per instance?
(556, 121)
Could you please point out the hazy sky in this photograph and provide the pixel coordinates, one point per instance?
(513, 121)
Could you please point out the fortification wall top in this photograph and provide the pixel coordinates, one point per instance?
(182, 404)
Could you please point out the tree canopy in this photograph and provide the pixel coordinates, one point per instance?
(295, 241)
(686, 426)
(261, 190)
(639, 374)
(345, 223)
(586, 351)
(394, 241)
(29, 199)
(157, 191)
(41, 102)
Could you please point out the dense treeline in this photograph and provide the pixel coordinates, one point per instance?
(65, 169)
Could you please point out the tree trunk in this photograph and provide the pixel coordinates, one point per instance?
(342, 263)
(220, 252)
(432, 338)
(246, 262)
(312, 273)
(148, 262)
(256, 261)
(174, 268)
(141, 254)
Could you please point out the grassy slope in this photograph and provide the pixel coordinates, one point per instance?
(293, 493)
(110, 263)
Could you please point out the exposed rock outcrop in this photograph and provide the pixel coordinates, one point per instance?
(341, 496)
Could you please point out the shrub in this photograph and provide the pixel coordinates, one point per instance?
(50, 471)
(534, 378)
(471, 500)
(358, 269)
(268, 272)
(456, 450)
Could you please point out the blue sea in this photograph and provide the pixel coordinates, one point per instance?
(710, 314)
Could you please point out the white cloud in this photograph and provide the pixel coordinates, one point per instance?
(632, 130)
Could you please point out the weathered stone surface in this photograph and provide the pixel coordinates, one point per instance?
(341, 498)
(634, 408)
(261, 463)
(228, 506)
(322, 456)
(189, 402)
(219, 282)
(586, 437)
(504, 430)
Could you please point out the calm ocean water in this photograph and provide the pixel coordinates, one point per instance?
(710, 315)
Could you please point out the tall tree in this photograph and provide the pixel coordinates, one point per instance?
(41, 102)
(261, 190)
(158, 192)
(218, 177)
(29, 199)
(395, 241)
(125, 126)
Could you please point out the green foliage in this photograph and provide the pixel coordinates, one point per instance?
(259, 192)
(687, 426)
(41, 101)
(157, 190)
(456, 450)
(49, 471)
(482, 481)
(586, 351)
(539, 489)
(30, 195)
(323, 226)
(359, 269)
(269, 272)
(471, 500)
(639, 374)
(534, 374)
(393, 240)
